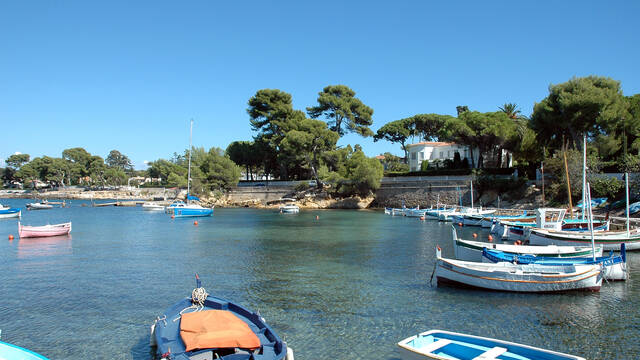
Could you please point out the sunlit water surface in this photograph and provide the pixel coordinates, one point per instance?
(344, 285)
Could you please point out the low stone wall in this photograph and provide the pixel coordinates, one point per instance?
(422, 195)
(263, 195)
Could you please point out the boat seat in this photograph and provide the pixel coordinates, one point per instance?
(435, 346)
(491, 354)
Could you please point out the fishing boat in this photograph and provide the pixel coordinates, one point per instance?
(614, 266)
(416, 212)
(470, 250)
(10, 213)
(289, 209)
(458, 216)
(609, 240)
(45, 230)
(43, 205)
(393, 211)
(152, 206)
(489, 220)
(439, 344)
(505, 276)
(207, 327)
(14, 352)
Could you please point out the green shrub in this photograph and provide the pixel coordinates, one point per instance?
(424, 165)
(605, 187)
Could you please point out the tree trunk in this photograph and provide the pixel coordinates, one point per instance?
(406, 153)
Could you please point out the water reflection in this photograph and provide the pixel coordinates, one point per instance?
(44, 246)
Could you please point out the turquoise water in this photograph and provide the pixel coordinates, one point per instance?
(347, 285)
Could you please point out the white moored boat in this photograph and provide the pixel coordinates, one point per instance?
(469, 250)
(518, 278)
(289, 209)
(151, 206)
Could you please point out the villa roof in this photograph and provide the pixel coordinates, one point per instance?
(433, 143)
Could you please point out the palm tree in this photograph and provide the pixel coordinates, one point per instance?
(511, 110)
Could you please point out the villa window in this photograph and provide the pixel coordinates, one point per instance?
(413, 156)
(441, 154)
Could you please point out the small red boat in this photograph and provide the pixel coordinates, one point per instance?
(45, 230)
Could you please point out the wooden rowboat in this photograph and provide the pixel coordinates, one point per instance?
(470, 250)
(505, 276)
(439, 344)
(45, 230)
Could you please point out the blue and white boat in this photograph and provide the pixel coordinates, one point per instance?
(10, 212)
(207, 327)
(189, 210)
(14, 352)
(614, 266)
(439, 344)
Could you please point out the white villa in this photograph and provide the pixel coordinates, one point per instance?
(434, 150)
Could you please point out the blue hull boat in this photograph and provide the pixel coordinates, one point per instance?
(208, 327)
(191, 211)
(439, 344)
(9, 213)
(614, 266)
(13, 352)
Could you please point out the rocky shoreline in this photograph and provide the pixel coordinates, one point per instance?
(305, 200)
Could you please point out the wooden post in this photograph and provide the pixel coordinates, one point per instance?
(566, 170)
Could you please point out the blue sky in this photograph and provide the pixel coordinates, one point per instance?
(128, 75)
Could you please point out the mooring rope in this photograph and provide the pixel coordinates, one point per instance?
(198, 297)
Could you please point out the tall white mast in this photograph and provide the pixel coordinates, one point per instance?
(189, 173)
(626, 193)
(584, 174)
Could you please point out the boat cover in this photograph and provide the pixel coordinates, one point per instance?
(216, 329)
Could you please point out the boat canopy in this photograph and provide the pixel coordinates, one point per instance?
(192, 197)
(216, 329)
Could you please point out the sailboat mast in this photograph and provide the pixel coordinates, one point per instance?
(590, 223)
(189, 172)
(584, 173)
(472, 193)
(626, 193)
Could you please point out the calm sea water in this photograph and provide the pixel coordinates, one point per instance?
(347, 285)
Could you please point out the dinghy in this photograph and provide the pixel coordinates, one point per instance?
(439, 344)
(207, 327)
(152, 206)
(505, 276)
(45, 230)
(469, 250)
(14, 352)
(43, 205)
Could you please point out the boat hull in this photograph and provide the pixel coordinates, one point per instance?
(14, 352)
(10, 213)
(43, 231)
(189, 212)
(607, 240)
(439, 344)
(167, 337)
(517, 278)
(467, 250)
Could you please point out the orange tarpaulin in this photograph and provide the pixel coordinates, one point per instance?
(216, 329)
